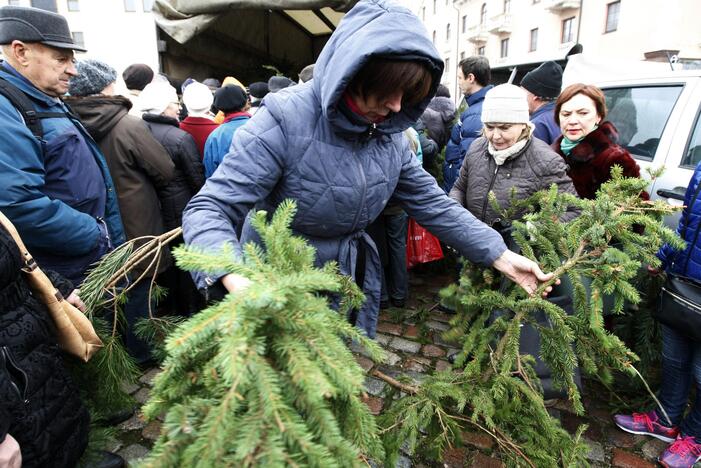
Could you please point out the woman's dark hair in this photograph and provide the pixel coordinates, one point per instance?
(443, 91)
(590, 91)
(382, 77)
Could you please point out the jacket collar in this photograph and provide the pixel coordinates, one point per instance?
(474, 98)
(190, 120)
(545, 108)
(594, 143)
(17, 79)
(236, 116)
(162, 119)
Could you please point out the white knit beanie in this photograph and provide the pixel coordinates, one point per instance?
(505, 103)
(156, 97)
(198, 99)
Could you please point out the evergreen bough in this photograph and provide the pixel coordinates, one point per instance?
(494, 388)
(265, 377)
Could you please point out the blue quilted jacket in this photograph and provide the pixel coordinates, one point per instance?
(687, 262)
(341, 173)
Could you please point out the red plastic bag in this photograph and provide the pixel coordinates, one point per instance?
(421, 245)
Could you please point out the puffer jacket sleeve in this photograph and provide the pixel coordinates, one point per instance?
(666, 253)
(246, 176)
(48, 223)
(191, 162)
(420, 196)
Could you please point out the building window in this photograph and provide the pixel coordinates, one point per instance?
(47, 5)
(434, 7)
(483, 14)
(534, 40)
(613, 10)
(447, 32)
(464, 23)
(434, 37)
(480, 51)
(507, 6)
(504, 47)
(78, 38)
(148, 5)
(568, 30)
(447, 65)
(73, 5)
(129, 5)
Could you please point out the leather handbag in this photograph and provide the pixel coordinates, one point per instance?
(680, 306)
(74, 331)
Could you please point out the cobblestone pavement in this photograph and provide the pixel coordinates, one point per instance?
(415, 349)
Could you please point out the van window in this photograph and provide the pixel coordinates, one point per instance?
(693, 150)
(640, 115)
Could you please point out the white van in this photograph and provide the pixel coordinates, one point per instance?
(657, 114)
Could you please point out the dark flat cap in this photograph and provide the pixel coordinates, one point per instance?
(230, 98)
(276, 83)
(35, 25)
(137, 76)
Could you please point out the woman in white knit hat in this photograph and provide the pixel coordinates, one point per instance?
(507, 157)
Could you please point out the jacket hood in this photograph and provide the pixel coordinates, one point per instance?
(99, 114)
(443, 106)
(372, 28)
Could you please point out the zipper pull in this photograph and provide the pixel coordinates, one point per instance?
(371, 130)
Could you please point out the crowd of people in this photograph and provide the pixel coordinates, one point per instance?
(84, 169)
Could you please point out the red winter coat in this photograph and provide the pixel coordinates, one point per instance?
(590, 162)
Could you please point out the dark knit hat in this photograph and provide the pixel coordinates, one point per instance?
(258, 89)
(230, 98)
(545, 81)
(35, 25)
(93, 77)
(276, 83)
(137, 76)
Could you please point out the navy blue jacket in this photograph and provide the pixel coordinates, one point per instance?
(58, 193)
(468, 129)
(544, 121)
(687, 262)
(341, 169)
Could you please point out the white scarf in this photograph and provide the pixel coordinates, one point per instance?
(500, 156)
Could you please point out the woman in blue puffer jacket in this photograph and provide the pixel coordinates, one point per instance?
(335, 145)
(681, 356)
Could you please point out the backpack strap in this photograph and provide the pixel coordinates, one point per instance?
(32, 118)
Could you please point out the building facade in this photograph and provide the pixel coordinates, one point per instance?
(118, 32)
(524, 33)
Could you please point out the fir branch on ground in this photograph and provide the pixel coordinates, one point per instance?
(265, 377)
(494, 388)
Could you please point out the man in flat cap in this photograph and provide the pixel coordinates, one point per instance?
(56, 186)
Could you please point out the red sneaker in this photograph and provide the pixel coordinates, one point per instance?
(682, 453)
(646, 424)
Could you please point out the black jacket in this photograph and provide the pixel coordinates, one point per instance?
(189, 172)
(39, 405)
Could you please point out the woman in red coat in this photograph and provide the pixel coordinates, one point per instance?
(588, 143)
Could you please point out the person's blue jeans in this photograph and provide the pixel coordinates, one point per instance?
(395, 280)
(681, 366)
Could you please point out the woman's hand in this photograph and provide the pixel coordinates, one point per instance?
(235, 283)
(75, 300)
(10, 453)
(522, 271)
